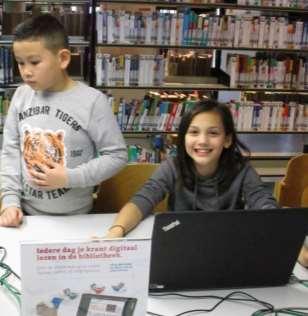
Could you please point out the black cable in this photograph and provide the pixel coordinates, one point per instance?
(269, 310)
(4, 253)
(220, 298)
(295, 311)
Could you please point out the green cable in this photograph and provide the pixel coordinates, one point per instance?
(278, 312)
(3, 279)
(13, 291)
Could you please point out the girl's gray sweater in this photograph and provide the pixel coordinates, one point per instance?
(246, 191)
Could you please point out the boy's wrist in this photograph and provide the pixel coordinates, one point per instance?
(74, 178)
(5, 209)
(9, 201)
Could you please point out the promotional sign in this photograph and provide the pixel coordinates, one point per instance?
(85, 278)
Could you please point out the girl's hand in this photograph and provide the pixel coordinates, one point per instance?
(50, 177)
(115, 232)
(303, 256)
(11, 216)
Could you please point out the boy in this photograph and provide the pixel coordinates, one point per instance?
(60, 137)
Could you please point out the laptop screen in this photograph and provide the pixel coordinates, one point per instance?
(225, 249)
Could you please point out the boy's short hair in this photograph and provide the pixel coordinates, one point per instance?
(43, 27)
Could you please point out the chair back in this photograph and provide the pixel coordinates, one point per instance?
(304, 200)
(295, 182)
(116, 191)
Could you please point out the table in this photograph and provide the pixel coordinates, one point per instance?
(86, 226)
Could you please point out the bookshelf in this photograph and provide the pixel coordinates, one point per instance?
(86, 41)
(264, 160)
(220, 5)
(105, 41)
(73, 14)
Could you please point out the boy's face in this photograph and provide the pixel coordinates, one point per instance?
(39, 67)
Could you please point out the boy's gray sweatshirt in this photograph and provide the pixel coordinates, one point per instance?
(246, 191)
(75, 128)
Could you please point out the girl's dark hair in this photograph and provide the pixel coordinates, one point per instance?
(231, 159)
(44, 27)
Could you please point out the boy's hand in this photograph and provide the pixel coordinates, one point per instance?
(11, 216)
(51, 177)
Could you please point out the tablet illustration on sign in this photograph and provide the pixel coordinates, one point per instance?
(103, 305)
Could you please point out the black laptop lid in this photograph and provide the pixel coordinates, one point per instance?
(223, 249)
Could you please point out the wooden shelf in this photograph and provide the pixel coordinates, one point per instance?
(211, 6)
(72, 2)
(202, 87)
(145, 133)
(272, 132)
(273, 155)
(73, 41)
(159, 46)
(271, 172)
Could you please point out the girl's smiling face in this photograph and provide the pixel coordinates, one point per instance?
(205, 140)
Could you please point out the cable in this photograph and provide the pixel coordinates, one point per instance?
(4, 253)
(4, 277)
(269, 310)
(296, 311)
(221, 299)
(295, 279)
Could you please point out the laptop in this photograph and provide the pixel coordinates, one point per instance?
(225, 249)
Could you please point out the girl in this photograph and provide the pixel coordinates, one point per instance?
(209, 172)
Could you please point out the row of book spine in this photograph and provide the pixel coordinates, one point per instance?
(129, 70)
(150, 114)
(275, 3)
(155, 114)
(190, 28)
(264, 3)
(6, 66)
(269, 116)
(268, 71)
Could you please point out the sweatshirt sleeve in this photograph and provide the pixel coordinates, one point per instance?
(155, 189)
(11, 186)
(110, 146)
(255, 193)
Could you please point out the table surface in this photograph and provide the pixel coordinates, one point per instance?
(54, 228)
